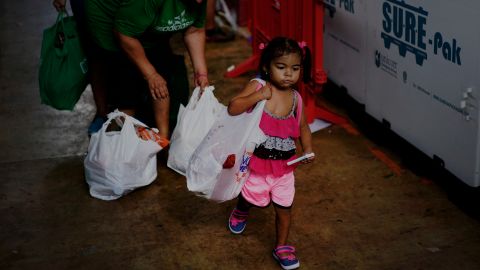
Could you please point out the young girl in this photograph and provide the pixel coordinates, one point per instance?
(283, 121)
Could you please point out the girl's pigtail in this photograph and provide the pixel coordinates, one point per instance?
(307, 65)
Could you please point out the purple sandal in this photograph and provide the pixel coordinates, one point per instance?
(285, 256)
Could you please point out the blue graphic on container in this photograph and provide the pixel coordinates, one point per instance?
(377, 58)
(404, 26)
(347, 5)
(408, 26)
(330, 6)
(243, 169)
(450, 51)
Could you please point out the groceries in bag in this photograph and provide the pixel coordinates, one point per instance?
(118, 160)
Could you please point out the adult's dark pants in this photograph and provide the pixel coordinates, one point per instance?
(127, 89)
(78, 9)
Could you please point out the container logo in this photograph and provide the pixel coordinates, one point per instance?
(347, 5)
(404, 25)
(386, 64)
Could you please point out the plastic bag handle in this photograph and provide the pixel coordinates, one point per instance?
(116, 113)
(208, 89)
(261, 83)
(110, 117)
(299, 106)
(59, 24)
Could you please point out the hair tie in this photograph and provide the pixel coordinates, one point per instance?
(261, 46)
(302, 44)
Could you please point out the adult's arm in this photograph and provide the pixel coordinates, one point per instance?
(194, 39)
(59, 4)
(135, 52)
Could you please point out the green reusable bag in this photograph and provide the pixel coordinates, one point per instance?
(63, 65)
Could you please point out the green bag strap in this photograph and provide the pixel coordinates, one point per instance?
(59, 26)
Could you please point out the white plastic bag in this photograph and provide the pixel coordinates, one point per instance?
(231, 135)
(193, 124)
(119, 161)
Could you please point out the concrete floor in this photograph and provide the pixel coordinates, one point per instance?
(352, 210)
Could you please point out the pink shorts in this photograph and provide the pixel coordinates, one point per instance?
(258, 189)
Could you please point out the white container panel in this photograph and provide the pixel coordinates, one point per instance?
(422, 77)
(345, 45)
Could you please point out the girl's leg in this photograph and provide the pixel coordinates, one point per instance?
(239, 215)
(282, 224)
(242, 204)
(161, 108)
(283, 253)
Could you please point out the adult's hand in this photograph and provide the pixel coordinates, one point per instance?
(59, 5)
(202, 81)
(135, 52)
(195, 42)
(158, 86)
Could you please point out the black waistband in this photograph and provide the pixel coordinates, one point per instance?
(275, 154)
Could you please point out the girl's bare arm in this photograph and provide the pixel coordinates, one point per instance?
(247, 98)
(305, 136)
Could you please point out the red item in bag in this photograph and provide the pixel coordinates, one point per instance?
(149, 134)
(229, 162)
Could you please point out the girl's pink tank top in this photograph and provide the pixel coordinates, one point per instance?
(282, 127)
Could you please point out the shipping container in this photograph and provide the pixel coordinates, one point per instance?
(414, 66)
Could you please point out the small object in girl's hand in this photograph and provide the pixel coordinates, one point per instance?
(309, 155)
(229, 162)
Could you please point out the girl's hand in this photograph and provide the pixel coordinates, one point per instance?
(266, 91)
(59, 5)
(308, 160)
(157, 85)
